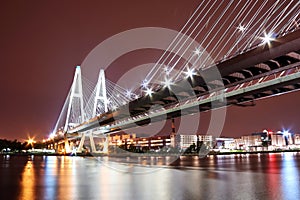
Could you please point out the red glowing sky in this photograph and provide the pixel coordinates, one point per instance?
(43, 41)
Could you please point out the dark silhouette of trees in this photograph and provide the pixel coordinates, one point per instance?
(7, 145)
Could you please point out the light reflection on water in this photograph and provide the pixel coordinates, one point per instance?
(50, 176)
(290, 175)
(28, 181)
(263, 176)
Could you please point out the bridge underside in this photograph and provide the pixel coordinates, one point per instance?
(264, 65)
(261, 61)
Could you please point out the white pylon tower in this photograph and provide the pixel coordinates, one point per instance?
(101, 96)
(76, 93)
(100, 93)
(100, 100)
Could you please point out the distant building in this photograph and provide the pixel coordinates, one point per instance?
(156, 142)
(121, 139)
(186, 141)
(267, 140)
(225, 143)
(207, 140)
(297, 139)
(280, 139)
(175, 140)
(265, 137)
(255, 140)
(277, 140)
(239, 143)
(252, 140)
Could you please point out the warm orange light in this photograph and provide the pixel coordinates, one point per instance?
(30, 141)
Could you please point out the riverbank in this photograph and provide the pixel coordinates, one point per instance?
(152, 154)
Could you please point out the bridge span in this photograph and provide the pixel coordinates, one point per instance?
(256, 47)
(262, 71)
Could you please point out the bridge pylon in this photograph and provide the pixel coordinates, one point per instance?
(76, 96)
(76, 93)
(101, 95)
(100, 100)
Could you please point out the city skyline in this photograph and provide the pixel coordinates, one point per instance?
(44, 41)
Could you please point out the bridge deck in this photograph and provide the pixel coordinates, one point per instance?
(280, 61)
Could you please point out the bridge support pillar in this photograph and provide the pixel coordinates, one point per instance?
(92, 142)
(67, 145)
(81, 143)
(106, 144)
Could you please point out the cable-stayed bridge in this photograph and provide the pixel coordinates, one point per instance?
(245, 52)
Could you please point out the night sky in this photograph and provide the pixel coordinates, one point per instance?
(41, 42)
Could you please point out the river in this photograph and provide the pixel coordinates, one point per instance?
(255, 176)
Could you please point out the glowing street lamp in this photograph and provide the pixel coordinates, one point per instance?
(30, 141)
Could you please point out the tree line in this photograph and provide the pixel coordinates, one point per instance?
(17, 146)
(8, 145)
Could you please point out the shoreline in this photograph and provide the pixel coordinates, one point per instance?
(131, 154)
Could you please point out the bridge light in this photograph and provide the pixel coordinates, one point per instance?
(149, 92)
(52, 135)
(114, 107)
(190, 72)
(267, 38)
(128, 93)
(107, 101)
(167, 70)
(145, 83)
(167, 82)
(197, 51)
(241, 28)
(286, 133)
(168, 73)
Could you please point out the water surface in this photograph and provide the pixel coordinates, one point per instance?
(262, 176)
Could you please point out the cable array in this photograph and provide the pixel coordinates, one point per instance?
(222, 29)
